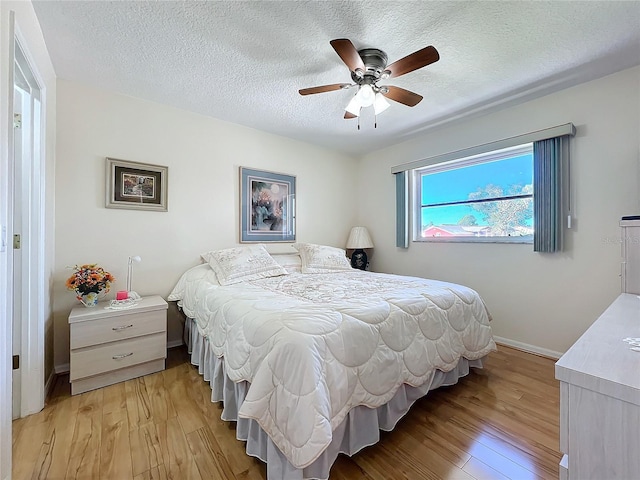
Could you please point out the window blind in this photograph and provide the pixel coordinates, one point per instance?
(402, 209)
(550, 160)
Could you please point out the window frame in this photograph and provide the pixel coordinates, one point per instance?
(464, 162)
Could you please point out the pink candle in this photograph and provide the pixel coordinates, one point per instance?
(122, 295)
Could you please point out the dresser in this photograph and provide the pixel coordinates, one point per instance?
(110, 346)
(600, 398)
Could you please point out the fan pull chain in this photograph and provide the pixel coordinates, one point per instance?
(358, 122)
(375, 121)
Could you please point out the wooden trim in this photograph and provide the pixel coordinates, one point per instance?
(48, 386)
(62, 369)
(7, 40)
(552, 132)
(175, 343)
(525, 347)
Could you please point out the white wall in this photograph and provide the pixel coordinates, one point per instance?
(28, 31)
(203, 155)
(544, 300)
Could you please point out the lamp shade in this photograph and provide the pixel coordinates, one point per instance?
(354, 106)
(359, 238)
(380, 104)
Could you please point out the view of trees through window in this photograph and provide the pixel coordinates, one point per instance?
(489, 197)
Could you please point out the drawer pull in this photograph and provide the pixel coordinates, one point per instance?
(118, 357)
(121, 327)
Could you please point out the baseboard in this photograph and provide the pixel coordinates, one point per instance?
(48, 386)
(175, 343)
(61, 369)
(525, 347)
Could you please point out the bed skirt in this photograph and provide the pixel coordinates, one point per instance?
(360, 428)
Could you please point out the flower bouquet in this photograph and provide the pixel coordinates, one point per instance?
(89, 281)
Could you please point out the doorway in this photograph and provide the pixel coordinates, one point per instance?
(28, 241)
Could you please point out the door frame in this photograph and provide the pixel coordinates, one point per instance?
(7, 40)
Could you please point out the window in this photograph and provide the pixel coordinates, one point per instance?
(484, 198)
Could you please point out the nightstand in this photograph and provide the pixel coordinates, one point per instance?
(110, 346)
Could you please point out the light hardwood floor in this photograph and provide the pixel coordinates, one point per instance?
(496, 423)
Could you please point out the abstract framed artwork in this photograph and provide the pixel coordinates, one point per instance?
(267, 206)
(135, 185)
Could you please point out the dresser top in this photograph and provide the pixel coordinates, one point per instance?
(81, 313)
(600, 360)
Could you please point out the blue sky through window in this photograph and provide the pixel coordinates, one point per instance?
(456, 185)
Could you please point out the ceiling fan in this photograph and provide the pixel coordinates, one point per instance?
(368, 66)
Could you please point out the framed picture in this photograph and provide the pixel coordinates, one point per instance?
(136, 185)
(267, 206)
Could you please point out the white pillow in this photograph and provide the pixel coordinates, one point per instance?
(290, 261)
(322, 259)
(241, 264)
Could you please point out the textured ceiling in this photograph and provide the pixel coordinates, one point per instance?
(244, 61)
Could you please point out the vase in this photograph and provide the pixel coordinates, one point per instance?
(89, 299)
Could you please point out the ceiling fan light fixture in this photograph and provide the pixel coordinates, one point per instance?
(368, 66)
(354, 106)
(365, 95)
(380, 104)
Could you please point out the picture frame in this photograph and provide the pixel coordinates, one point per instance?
(135, 185)
(267, 206)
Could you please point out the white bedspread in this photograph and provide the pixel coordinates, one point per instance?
(313, 346)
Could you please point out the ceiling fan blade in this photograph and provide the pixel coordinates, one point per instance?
(412, 62)
(348, 53)
(348, 115)
(323, 88)
(401, 95)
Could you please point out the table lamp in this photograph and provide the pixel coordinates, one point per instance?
(359, 239)
(131, 293)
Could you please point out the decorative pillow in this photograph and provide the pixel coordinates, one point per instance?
(241, 264)
(322, 259)
(290, 261)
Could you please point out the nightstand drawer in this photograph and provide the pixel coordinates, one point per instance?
(112, 356)
(84, 334)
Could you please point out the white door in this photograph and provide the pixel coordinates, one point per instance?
(27, 219)
(16, 387)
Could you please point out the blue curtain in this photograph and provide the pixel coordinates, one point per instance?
(549, 158)
(402, 208)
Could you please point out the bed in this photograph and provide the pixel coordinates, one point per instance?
(313, 358)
